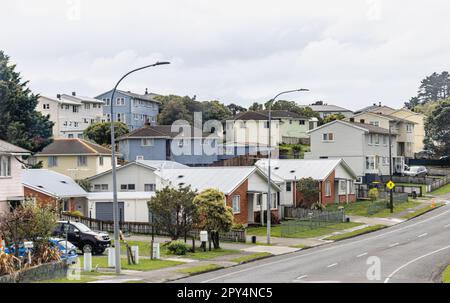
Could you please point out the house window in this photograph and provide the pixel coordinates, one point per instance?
(385, 140)
(409, 128)
(377, 139)
(301, 122)
(370, 162)
(288, 186)
(82, 160)
(5, 166)
(127, 187)
(101, 187)
(328, 188)
(342, 187)
(385, 161)
(236, 204)
(243, 124)
(147, 142)
(290, 121)
(87, 106)
(351, 187)
(100, 160)
(328, 137)
(120, 101)
(258, 199)
(149, 187)
(107, 101)
(266, 124)
(76, 109)
(67, 107)
(140, 157)
(46, 106)
(375, 123)
(52, 161)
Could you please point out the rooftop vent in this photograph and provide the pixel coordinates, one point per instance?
(146, 91)
(40, 186)
(292, 171)
(181, 184)
(74, 94)
(276, 168)
(58, 96)
(64, 182)
(180, 176)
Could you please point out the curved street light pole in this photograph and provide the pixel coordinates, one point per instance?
(113, 161)
(269, 192)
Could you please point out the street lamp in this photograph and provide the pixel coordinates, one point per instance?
(113, 149)
(269, 192)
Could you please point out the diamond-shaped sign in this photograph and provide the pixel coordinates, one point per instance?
(390, 184)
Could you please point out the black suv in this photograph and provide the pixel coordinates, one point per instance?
(83, 237)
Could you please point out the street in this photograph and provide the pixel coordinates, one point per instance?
(413, 251)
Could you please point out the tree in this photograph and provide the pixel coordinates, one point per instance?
(20, 123)
(174, 211)
(256, 107)
(100, 132)
(310, 190)
(214, 215)
(236, 109)
(173, 109)
(434, 87)
(293, 107)
(214, 110)
(332, 117)
(437, 129)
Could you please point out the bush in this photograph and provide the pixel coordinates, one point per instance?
(373, 194)
(238, 226)
(76, 213)
(318, 206)
(178, 247)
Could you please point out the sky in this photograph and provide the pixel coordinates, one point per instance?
(350, 53)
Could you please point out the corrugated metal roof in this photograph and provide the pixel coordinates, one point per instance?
(6, 147)
(52, 183)
(162, 164)
(327, 108)
(74, 146)
(121, 195)
(163, 131)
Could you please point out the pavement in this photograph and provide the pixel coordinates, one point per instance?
(413, 251)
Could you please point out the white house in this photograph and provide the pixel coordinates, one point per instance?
(11, 189)
(72, 114)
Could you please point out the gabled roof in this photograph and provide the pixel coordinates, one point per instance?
(296, 169)
(62, 100)
(388, 117)
(82, 99)
(73, 146)
(327, 108)
(51, 183)
(264, 115)
(161, 131)
(146, 97)
(369, 128)
(8, 148)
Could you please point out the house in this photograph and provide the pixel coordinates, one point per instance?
(47, 187)
(11, 189)
(403, 128)
(418, 120)
(376, 108)
(245, 188)
(188, 146)
(364, 147)
(131, 108)
(335, 180)
(71, 114)
(76, 158)
(325, 110)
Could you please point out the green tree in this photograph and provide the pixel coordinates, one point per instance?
(174, 210)
(236, 109)
(373, 194)
(215, 216)
(100, 132)
(174, 108)
(256, 107)
(437, 129)
(20, 123)
(333, 117)
(310, 190)
(433, 88)
(214, 110)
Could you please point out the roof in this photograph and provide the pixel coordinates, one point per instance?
(146, 97)
(264, 115)
(389, 117)
(225, 179)
(51, 183)
(372, 108)
(162, 164)
(121, 195)
(81, 98)
(161, 131)
(327, 108)
(296, 169)
(9, 148)
(74, 146)
(362, 126)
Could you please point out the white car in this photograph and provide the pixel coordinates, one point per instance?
(415, 171)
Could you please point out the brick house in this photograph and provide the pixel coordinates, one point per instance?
(335, 180)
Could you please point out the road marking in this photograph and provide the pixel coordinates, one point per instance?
(361, 255)
(302, 277)
(305, 254)
(414, 260)
(394, 244)
(332, 265)
(422, 235)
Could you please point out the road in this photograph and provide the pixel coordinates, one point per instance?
(414, 251)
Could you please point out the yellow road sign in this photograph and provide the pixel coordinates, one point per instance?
(390, 184)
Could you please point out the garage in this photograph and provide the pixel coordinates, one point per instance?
(104, 211)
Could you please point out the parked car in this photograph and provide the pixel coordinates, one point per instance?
(83, 237)
(415, 171)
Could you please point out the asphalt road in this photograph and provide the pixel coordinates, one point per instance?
(414, 251)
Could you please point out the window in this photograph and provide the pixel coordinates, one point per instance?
(76, 109)
(149, 187)
(101, 187)
(328, 188)
(131, 187)
(70, 136)
(5, 166)
(136, 116)
(370, 162)
(82, 160)
(377, 139)
(409, 128)
(288, 186)
(328, 137)
(147, 142)
(258, 199)
(236, 204)
(351, 187)
(290, 121)
(75, 124)
(385, 161)
(266, 124)
(119, 117)
(100, 160)
(342, 187)
(370, 139)
(375, 123)
(301, 122)
(243, 124)
(120, 101)
(140, 157)
(87, 106)
(67, 107)
(46, 106)
(385, 140)
(107, 101)
(127, 187)
(52, 161)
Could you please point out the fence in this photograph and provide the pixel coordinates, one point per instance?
(303, 213)
(438, 183)
(237, 235)
(362, 190)
(377, 206)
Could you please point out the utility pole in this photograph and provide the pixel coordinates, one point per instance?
(391, 193)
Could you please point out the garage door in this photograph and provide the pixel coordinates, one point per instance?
(104, 211)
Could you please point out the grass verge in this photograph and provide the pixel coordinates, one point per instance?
(421, 211)
(144, 264)
(446, 275)
(304, 233)
(199, 269)
(252, 257)
(360, 208)
(355, 233)
(442, 190)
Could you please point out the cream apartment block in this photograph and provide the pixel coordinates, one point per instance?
(71, 114)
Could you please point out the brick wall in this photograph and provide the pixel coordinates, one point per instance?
(241, 217)
(330, 199)
(41, 198)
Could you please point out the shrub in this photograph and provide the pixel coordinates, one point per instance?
(373, 194)
(76, 213)
(318, 206)
(8, 263)
(178, 247)
(238, 226)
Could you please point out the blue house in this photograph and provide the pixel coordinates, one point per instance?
(131, 108)
(193, 148)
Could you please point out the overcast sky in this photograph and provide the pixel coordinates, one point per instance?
(348, 52)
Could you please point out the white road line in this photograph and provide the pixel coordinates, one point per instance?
(414, 260)
(361, 255)
(324, 249)
(302, 277)
(394, 244)
(422, 235)
(332, 265)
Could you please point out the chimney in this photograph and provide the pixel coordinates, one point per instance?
(379, 104)
(146, 91)
(74, 94)
(58, 96)
(352, 119)
(362, 121)
(374, 104)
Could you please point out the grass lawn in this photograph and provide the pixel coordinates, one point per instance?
(421, 211)
(199, 269)
(446, 275)
(247, 258)
(144, 264)
(299, 246)
(359, 208)
(84, 278)
(442, 191)
(424, 186)
(356, 233)
(307, 233)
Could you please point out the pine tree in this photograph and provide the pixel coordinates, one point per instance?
(20, 123)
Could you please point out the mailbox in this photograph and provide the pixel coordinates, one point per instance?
(203, 236)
